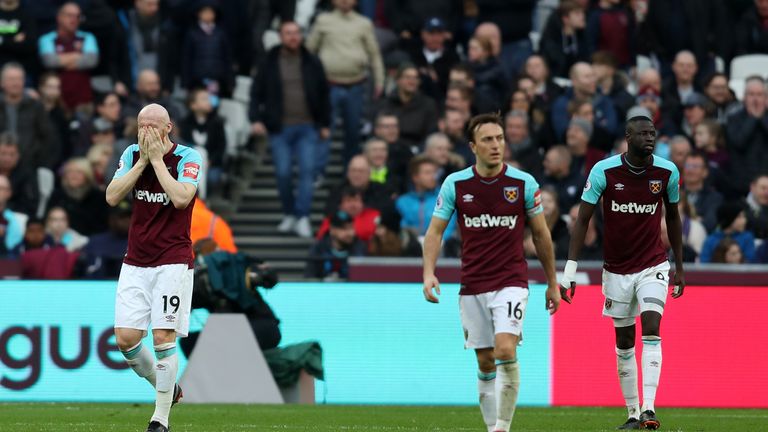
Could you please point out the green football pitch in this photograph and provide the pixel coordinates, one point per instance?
(33, 417)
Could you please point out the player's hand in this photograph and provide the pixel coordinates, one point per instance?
(553, 299)
(568, 282)
(679, 282)
(431, 282)
(154, 144)
(143, 151)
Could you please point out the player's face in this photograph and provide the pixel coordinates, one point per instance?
(641, 140)
(156, 122)
(488, 144)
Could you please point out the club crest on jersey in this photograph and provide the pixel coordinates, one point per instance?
(655, 186)
(191, 170)
(439, 203)
(608, 303)
(511, 193)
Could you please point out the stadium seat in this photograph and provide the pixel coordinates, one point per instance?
(737, 85)
(236, 125)
(746, 65)
(45, 184)
(242, 92)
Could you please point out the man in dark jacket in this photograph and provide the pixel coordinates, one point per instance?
(515, 20)
(434, 57)
(564, 41)
(751, 34)
(26, 118)
(747, 132)
(417, 113)
(290, 101)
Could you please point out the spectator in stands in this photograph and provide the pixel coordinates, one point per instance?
(679, 149)
(434, 57)
(650, 98)
(73, 54)
(390, 240)
(100, 157)
(545, 88)
(146, 43)
(719, 93)
(694, 232)
(559, 175)
(35, 237)
(26, 194)
(515, 20)
(80, 197)
(612, 83)
(491, 32)
(453, 125)
(731, 223)
(699, 26)
(563, 41)
(757, 207)
(208, 225)
(148, 91)
(558, 228)
(761, 254)
(41, 258)
(207, 54)
(328, 256)
(583, 156)
(701, 195)
(708, 139)
(728, 251)
(387, 128)
(49, 89)
(747, 136)
(649, 77)
(751, 34)
(438, 148)
(611, 29)
(57, 227)
(582, 109)
(677, 88)
(695, 110)
(108, 113)
(491, 89)
(103, 256)
(19, 36)
(290, 101)
(520, 146)
(103, 136)
(416, 207)
(12, 225)
(416, 113)
(358, 176)
(375, 150)
(459, 98)
(26, 118)
(593, 242)
(346, 44)
(364, 218)
(406, 16)
(204, 128)
(583, 86)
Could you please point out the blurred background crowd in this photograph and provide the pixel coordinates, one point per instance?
(393, 83)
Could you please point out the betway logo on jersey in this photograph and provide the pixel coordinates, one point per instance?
(634, 207)
(488, 221)
(152, 197)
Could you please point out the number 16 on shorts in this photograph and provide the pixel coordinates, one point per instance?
(487, 314)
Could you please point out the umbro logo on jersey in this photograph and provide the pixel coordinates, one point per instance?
(619, 186)
(488, 221)
(634, 208)
(152, 197)
(468, 197)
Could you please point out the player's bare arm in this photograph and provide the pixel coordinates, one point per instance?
(432, 243)
(586, 210)
(181, 194)
(119, 187)
(675, 233)
(542, 240)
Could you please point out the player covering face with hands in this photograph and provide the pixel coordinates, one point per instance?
(155, 284)
(633, 187)
(492, 202)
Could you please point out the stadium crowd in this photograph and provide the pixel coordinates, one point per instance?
(396, 81)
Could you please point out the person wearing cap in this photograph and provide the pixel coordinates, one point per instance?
(731, 222)
(328, 256)
(406, 17)
(696, 108)
(433, 57)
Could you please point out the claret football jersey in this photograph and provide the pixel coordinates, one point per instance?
(491, 214)
(159, 232)
(632, 210)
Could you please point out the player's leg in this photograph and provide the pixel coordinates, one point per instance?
(477, 322)
(508, 308)
(621, 305)
(171, 304)
(652, 295)
(132, 314)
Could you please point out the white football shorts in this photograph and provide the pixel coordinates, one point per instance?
(159, 295)
(487, 314)
(646, 289)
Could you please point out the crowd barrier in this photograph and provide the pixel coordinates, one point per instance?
(383, 344)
